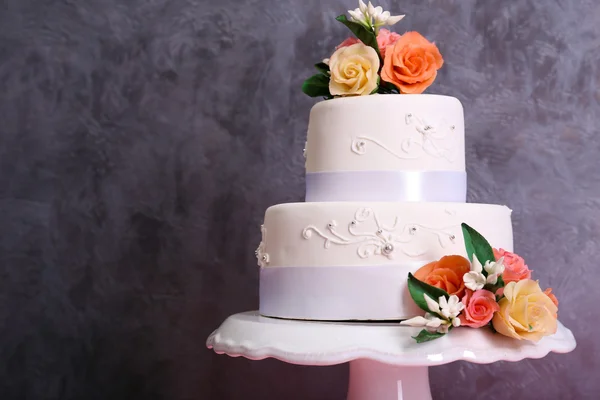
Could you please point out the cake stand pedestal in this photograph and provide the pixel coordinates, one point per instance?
(385, 362)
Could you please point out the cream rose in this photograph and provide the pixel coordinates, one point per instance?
(353, 70)
(525, 312)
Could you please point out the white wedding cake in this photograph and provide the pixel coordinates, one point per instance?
(385, 232)
(385, 195)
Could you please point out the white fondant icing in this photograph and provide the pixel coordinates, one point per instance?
(430, 140)
(384, 241)
(290, 227)
(408, 132)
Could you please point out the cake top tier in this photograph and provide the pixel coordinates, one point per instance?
(386, 133)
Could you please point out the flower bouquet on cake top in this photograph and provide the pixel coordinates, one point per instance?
(493, 289)
(375, 60)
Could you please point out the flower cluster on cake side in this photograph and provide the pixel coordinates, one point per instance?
(493, 289)
(375, 60)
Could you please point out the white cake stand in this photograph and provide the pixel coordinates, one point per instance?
(385, 362)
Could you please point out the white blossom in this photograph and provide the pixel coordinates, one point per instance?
(430, 322)
(433, 305)
(475, 280)
(373, 17)
(494, 270)
(362, 7)
(450, 308)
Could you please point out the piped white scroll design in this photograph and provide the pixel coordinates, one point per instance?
(385, 241)
(261, 252)
(430, 140)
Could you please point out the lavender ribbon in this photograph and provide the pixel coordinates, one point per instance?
(431, 186)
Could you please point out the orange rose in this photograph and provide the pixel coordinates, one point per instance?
(411, 63)
(446, 274)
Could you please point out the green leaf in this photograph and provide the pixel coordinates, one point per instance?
(417, 289)
(426, 336)
(317, 86)
(322, 68)
(476, 244)
(387, 88)
(366, 35)
(376, 87)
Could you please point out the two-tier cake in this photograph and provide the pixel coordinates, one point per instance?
(385, 232)
(385, 195)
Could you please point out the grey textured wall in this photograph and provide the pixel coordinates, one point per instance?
(141, 142)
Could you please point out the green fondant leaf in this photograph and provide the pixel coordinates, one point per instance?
(417, 289)
(476, 244)
(364, 34)
(317, 86)
(322, 68)
(387, 88)
(426, 336)
(376, 87)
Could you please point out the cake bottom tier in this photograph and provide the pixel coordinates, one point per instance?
(377, 292)
(350, 260)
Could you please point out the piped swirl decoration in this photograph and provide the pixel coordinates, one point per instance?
(429, 141)
(385, 241)
(261, 252)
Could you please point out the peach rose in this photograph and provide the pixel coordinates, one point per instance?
(515, 268)
(480, 307)
(353, 70)
(446, 274)
(525, 312)
(548, 292)
(411, 63)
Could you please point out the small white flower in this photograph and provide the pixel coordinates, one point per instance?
(494, 268)
(362, 7)
(433, 306)
(393, 19)
(416, 322)
(476, 264)
(456, 322)
(357, 16)
(373, 11)
(450, 308)
(430, 322)
(474, 280)
(373, 17)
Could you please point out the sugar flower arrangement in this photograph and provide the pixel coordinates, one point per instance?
(493, 289)
(375, 60)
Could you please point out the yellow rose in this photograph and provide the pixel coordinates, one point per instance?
(353, 70)
(525, 312)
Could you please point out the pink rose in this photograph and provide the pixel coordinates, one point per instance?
(386, 38)
(480, 307)
(515, 267)
(348, 42)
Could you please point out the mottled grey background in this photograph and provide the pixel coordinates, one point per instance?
(141, 142)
